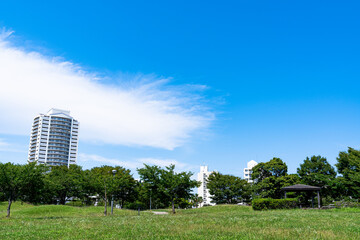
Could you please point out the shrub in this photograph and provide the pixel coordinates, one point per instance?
(182, 203)
(100, 203)
(75, 203)
(135, 205)
(269, 203)
(2, 197)
(344, 203)
(207, 205)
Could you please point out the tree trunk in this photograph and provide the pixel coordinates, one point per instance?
(173, 205)
(105, 212)
(8, 209)
(63, 200)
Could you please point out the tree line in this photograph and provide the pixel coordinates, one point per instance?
(40, 184)
(270, 177)
(163, 187)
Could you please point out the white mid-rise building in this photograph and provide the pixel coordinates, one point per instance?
(203, 191)
(54, 138)
(248, 171)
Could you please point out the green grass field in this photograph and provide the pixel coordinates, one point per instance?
(219, 222)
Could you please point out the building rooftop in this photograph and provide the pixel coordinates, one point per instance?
(59, 112)
(251, 164)
(301, 187)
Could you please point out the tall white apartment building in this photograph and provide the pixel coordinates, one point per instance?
(203, 191)
(54, 138)
(248, 171)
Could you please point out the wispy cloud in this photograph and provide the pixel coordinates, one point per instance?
(107, 161)
(163, 162)
(8, 147)
(135, 163)
(148, 112)
(3, 143)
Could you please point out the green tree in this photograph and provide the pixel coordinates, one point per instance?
(340, 188)
(23, 182)
(227, 188)
(101, 182)
(152, 186)
(196, 200)
(33, 182)
(275, 167)
(270, 177)
(123, 186)
(66, 182)
(120, 185)
(10, 182)
(348, 166)
(177, 185)
(168, 183)
(316, 171)
(271, 186)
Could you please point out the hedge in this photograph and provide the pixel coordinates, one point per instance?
(75, 203)
(269, 203)
(349, 204)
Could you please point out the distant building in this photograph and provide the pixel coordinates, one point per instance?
(248, 171)
(203, 191)
(54, 138)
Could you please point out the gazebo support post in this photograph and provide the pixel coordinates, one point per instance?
(312, 200)
(318, 196)
(285, 194)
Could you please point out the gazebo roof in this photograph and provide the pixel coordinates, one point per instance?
(301, 187)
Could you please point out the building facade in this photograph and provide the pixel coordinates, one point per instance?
(203, 191)
(248, 171)
(54, 138)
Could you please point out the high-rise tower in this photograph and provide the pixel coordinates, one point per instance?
(203, 191)
(54, 138)
(248, 171)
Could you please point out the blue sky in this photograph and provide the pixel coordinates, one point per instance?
(233, 81)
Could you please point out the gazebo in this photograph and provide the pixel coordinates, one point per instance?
(304, 188)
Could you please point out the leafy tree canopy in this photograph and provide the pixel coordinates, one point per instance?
(227, 188)
(23, 182)
(108, 181)
(316, 171)
(348, 162)
(66, 182)
(275, 167)
(168, 183)
(271, 187)
(349, 167)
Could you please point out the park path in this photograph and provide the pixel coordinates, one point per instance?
(160, 213)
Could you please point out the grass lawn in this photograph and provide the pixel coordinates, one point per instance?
(219, 222)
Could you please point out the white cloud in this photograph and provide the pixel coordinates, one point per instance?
(146, 113)
(3, 143)
(135, 163)
(96, 158)
(162, 162)
(7, 147)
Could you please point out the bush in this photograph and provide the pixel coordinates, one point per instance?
(100, 203)
(207, 205)
(75, 203)
(269, 203)
(182, 203)
(349, 204)
(2, 197)
(135, 205)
